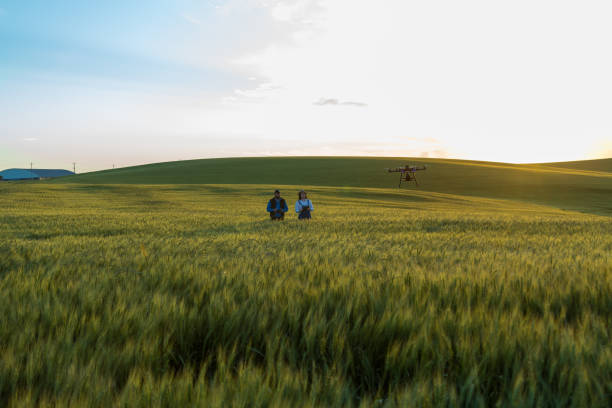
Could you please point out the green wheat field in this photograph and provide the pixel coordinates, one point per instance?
(489, 285)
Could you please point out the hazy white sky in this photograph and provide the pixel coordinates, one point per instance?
(519, 81)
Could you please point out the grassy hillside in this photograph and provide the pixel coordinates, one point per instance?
(567, 188)
(187, 295)
(593, 165)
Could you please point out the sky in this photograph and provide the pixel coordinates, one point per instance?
(119, 83)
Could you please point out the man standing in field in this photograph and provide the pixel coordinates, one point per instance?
(277, 207)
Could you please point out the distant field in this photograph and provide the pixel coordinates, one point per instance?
(186, 295)
(585, 186)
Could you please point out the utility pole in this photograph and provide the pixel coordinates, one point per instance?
(74, 167)
(30, 165)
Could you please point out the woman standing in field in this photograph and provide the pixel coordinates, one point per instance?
(303, 206)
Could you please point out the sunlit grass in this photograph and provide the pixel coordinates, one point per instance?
(188, 295)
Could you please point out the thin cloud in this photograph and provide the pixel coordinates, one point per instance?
(30, 139)
(260, 92)
(294, 11)
(351, 103)
(191, 19)
(326, 101)
(336, 102)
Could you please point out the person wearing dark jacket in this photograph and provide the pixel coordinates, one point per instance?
(277, 207)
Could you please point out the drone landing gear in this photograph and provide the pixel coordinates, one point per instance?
(406, 178)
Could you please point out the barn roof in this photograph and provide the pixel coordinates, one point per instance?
(27, 174)
(47, 173)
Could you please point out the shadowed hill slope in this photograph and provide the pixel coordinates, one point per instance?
(578, 188)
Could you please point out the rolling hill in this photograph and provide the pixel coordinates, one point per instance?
(584, 186)
(593, 165)
(168, 284)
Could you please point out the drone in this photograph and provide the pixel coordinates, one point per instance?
(407, 173)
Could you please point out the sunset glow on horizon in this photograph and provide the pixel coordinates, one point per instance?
(117, 83)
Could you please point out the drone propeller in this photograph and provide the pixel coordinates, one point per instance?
(405, 169)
